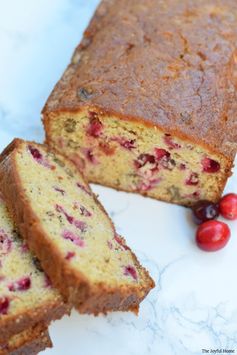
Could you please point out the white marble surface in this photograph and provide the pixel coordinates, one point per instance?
(194, 305)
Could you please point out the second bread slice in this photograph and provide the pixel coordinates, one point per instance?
(69, 231)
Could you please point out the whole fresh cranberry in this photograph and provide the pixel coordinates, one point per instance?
(212, 235)
(228, 206)
(205, 210)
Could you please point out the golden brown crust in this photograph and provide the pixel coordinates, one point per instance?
(169, 64)
(29, 342)
(74, 286)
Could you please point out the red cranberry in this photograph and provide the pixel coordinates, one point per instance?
(68, 235)
(161, 153)
(168, 163)
(148, 185)
(210, 165)
(35, 153)
(163, 157)
(39, 157)
(70, 255)
(130, 271)
(192, 180)
(182, 166)
(90, 156)
(127, 144)
(169, 141)
(228, 206)
(78, 224)
(212, 235)
(60, 209)
(143, 159)
(205, 211)
(95, 127)
(20, 285)
(4, 305)
(24, 284)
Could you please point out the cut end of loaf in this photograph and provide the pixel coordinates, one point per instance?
(131, 156)
(61, 218)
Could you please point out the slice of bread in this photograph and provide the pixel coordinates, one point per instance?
(29, 342)
(26, 296)
(69, 231)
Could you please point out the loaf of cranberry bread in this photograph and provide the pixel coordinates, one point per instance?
(68, 230)
(29, 342)
(148, 103)
(26, 295)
